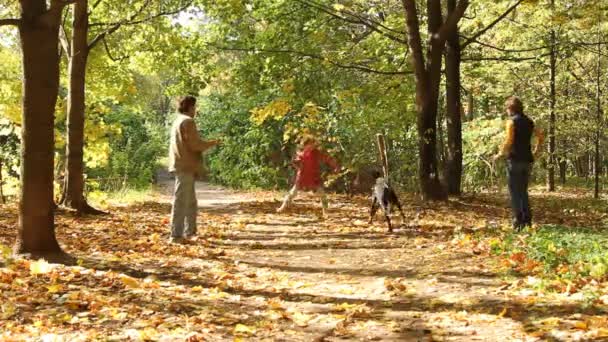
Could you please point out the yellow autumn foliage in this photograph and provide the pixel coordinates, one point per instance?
(276, 109)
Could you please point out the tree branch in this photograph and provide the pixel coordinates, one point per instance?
(451, 22)
(415, 43)
(510, 50)
(361, 18)
(107, 48)
(491, 25)
(65, 43)
(358, 20)
(131, 21)
(318, 57)
(60, 4)
(52, 17)
(95, 6)
(503, 58)
(10, 22)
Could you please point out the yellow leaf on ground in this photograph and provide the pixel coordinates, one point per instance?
(242, 329)
(344, 307)
(580, 325)
(40, 267)
(7, 310)
(301, 319)
(54, 288)
(602, 332)
(129, 282)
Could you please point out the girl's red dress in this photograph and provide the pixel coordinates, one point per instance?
(309, 162)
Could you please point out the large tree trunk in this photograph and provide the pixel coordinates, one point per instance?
(454, 118)
(563, 169)
(552, 65)
(430, 184)
(73, 191)
(470, 105)
(428, 77)
(597, 167)
(39, 32)
(1, 185)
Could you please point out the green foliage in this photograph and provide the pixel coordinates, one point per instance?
(134, 152)
(267, 72)
(563, 251)
(482, 138)
(244, 158)
(9, 147)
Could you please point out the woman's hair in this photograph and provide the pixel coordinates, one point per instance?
(514, 104)
(185, 103)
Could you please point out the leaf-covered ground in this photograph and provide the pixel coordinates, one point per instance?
(253, 274)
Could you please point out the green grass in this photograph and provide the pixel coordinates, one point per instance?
(563, 252)
(121, 197)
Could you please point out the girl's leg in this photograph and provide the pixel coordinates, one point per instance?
(324, 202)
(290, 196)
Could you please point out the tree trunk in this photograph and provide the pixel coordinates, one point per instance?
(563, 168)
(2, 201)
(441, 143)
(428, 174)
(552, 71)
(39, 32)
(454, 118)
(428, 77)
(73, 191)
(597, 166)
(470, 106)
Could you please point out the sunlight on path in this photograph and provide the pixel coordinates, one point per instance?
(255, 275)
(358, 285)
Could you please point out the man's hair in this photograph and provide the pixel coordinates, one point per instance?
(514, 104)
(185, 103)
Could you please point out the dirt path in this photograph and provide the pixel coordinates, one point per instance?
(255, 275)
(348, 280)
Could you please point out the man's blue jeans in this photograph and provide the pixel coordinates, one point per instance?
(518, 176)
(185, 205)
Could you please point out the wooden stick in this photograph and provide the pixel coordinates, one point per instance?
(383, 157)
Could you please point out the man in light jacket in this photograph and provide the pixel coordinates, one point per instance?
(185, 152)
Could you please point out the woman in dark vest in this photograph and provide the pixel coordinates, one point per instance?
(520, 156)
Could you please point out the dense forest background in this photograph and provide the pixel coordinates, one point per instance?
(267, 71)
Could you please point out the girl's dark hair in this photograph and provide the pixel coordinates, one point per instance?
(185, 103)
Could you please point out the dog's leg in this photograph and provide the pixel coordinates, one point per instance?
(373, 209)
(388, 221)
(399, 207)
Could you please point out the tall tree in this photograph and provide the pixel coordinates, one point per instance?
(77, 51)
(597, 167)
(427, 72)
(453, 61)
(454, 109)
(39, 34)
(552, 100)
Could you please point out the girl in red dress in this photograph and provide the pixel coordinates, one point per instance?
(308, 162)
